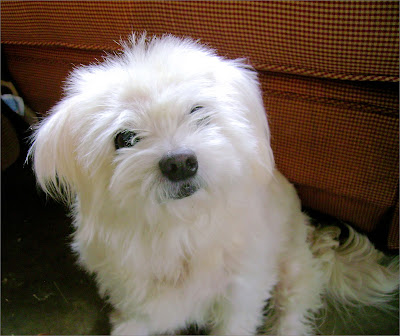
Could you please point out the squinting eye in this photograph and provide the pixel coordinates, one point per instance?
(194, 109)
(203, 120)
(125, 139)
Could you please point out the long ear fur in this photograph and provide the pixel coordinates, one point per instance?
(52, 152)
(248, 85)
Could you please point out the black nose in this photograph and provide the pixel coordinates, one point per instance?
(179, 164)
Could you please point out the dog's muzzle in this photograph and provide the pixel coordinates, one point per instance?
(180, 166)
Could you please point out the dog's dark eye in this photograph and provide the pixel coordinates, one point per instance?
(125, 139)
(201, 120)
(194, 109)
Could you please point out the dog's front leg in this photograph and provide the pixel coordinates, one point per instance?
(296, 297)
(241, 312)
(127, 327)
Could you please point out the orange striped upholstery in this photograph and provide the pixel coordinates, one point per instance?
(329, 72)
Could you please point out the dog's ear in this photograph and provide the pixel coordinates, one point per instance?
(52, 152)
(249, 87)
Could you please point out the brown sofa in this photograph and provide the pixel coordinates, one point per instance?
(329, 72)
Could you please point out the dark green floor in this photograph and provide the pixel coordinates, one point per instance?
(44, 292)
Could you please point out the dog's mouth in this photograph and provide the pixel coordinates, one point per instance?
(180, 190)
(185, 190)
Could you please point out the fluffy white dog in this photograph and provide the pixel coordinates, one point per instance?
(163, 153)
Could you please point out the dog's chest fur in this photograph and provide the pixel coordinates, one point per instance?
(148, 263)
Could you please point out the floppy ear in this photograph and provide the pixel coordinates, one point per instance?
(52, 152)
(248, 85)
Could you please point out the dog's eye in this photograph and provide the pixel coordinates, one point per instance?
(125, 139)
(201, 120)
(194, 109)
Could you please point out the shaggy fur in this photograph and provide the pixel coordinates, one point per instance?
(208, 249)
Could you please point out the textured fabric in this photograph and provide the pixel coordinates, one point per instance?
(39, 72)
(328, 72)
(355, 40)
(393, 238)
(341, 151)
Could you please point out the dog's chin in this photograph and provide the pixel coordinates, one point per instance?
(180, 190)
(186, 190)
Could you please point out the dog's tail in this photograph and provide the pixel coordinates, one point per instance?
(355, 272)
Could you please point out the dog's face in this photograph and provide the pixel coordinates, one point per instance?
(165, 121)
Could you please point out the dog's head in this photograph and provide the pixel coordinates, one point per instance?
(166, 120)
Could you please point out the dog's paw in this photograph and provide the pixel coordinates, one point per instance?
(130, 327)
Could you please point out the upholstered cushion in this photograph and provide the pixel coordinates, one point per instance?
(353, 40)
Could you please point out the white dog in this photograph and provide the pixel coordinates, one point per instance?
(163, 153)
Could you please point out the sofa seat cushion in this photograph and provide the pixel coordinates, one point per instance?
(338, 142)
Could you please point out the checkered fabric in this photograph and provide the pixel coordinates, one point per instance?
(354, 40)
(339, 138)
(393, 238)
(329, 72)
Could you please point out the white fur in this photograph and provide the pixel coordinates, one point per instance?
(212, 258)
